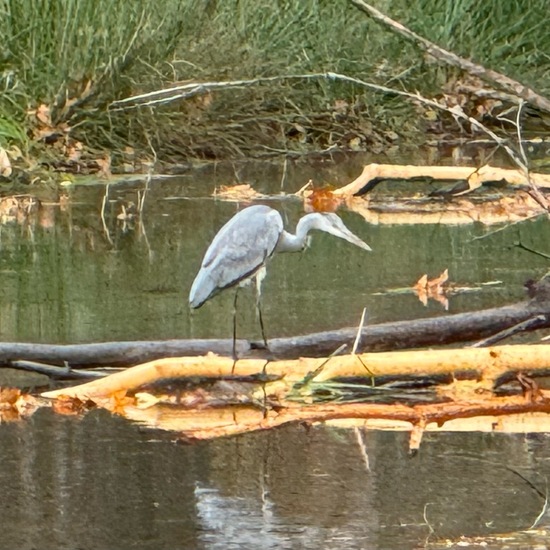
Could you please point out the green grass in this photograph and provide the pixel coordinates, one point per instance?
(509, 37)
(80, 55)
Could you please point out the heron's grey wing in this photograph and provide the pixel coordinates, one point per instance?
(239, 249)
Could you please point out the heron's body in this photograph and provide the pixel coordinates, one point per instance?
(237, 252)
(245, 243)
(242, 247)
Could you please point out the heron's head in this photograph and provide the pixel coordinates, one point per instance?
(331, 223)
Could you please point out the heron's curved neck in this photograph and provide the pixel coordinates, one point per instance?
(295, 243)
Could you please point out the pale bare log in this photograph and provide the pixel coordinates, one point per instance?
(473, 175)
(488, 363)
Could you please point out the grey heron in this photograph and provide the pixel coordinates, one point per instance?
(242, 247)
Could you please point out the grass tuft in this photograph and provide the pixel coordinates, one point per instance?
(78, 56)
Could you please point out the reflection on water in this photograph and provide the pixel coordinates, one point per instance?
(101, 482)
(64, 282)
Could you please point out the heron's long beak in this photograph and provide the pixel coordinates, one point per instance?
(336, 227)
(346, 234)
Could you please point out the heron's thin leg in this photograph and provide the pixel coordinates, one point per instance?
(259, 278)
(234, 350)
(258, 305)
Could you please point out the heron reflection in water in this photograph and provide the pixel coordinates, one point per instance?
(242, 247)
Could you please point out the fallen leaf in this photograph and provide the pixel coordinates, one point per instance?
(341, 106)
(104, 165)
(421, 284)
(74, 151)
(436, 285)
(43, 114)
(355, 144)
(8, 397)
(432, 288)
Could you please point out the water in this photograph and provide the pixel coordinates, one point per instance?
(100, 482)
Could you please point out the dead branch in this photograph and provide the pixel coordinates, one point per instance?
(502, 81)
(531, 323)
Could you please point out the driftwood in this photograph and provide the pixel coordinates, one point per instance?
(464, 399)
(487, 365)
(458, 384)
(475, 177)
(435, 331)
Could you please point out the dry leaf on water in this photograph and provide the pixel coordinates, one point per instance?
(432, 288)
(322, 200)
(15, 405)
(70, 405)
(8, 397)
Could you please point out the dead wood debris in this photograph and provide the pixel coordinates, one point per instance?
(374, 173)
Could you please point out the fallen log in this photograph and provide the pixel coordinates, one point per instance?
(474, 176)
(485, 365)
(435, 331)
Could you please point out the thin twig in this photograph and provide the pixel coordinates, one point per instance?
(543, 511)
(533, 251)
(103, 207)
(518, 129)
(54, 371)
(425, 515)
(362, 447)
(359, 331)
(311, 375)
(283, 177)
(504, 227)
